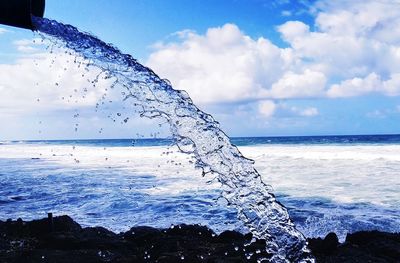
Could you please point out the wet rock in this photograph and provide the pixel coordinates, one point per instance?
(190, 230)
(68, 242)
(326, 246)
(360, 247)
(229, 235)
(383, 245)
(142, 234)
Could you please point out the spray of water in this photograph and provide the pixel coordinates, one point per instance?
(194, 132)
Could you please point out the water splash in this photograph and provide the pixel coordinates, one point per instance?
(195, 133)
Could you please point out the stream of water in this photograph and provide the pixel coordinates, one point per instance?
(195, 133)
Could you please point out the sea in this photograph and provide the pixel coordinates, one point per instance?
(340, 184)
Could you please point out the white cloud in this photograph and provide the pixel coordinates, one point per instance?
(353, 49)
(224, 65)
(355, 86)
(309, 112)
(28, 45)
(27, 86)
(3, 30)
(266, 108)
(371, 83)
(299, 111)
(377, 20)
(269, 108)
(293, 30)
(354, 43)
(292, 85)
(391, 87)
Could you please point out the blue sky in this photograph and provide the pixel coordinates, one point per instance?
(262, 68)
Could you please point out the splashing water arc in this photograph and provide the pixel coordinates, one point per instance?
(194, 132)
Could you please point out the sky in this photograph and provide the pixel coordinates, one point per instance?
(260, 67)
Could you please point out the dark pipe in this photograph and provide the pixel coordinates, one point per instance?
(19, 13)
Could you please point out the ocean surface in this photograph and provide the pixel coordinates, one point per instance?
(328, 183)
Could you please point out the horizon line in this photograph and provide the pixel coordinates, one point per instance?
(230, 137)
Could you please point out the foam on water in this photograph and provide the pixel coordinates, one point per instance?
(114, 187)
(352, 174)
(354, 187)
(195, 133)
(165, 163)
(123, 186)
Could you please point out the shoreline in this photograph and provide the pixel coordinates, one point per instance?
(60, 239)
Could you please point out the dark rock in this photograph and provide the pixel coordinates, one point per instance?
(190, 230)
(384, 245)
(142, 234)
(60, 224)
(325, 246)
(229, 235)
(331, 241)
(359, 247)
(68, 242)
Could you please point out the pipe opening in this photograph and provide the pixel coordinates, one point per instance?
(18, 13)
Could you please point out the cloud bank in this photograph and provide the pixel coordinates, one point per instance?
(40, 81)
(352, 49)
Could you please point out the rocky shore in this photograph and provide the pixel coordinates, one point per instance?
(60, 239)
